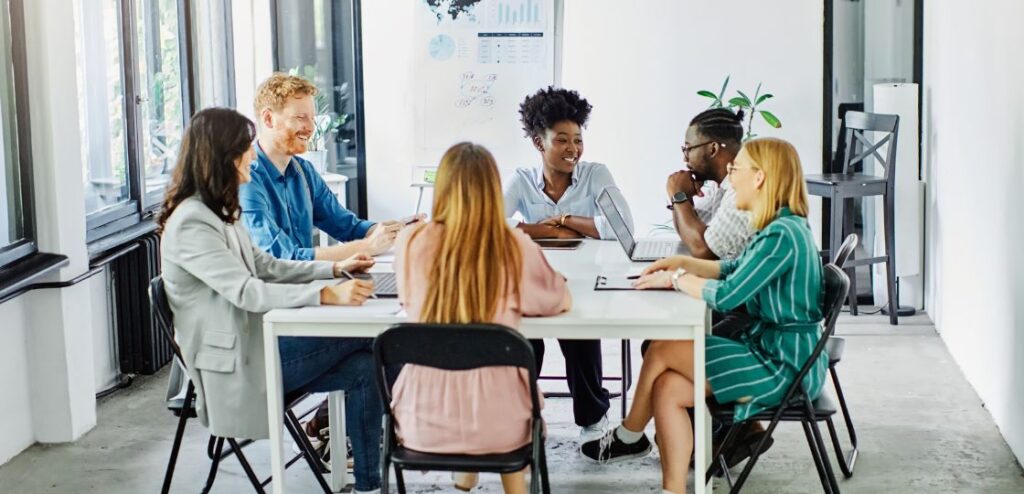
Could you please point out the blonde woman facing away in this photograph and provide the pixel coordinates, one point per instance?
(219, 285)
(777, 278)
(468, 266)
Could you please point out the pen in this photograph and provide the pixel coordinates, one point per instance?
(349, 275)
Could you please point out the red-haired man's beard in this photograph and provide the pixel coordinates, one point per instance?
(291, 142)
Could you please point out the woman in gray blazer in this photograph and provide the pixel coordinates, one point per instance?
(219, 285)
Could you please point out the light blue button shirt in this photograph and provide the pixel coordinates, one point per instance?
(524, 194)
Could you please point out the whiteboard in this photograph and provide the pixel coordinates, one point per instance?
(476, 61)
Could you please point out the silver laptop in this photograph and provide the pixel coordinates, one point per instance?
(644, 250)
(385, 285)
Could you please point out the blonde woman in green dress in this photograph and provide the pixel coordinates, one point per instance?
(777, 278)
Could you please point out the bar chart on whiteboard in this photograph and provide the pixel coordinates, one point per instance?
(481, 59)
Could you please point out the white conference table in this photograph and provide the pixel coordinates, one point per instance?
(608, 314)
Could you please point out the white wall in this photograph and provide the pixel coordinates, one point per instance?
(974, 166)
(639, 67)
(45, 341)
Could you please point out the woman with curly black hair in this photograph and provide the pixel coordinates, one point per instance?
(556, 200)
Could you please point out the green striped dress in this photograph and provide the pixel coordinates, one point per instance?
(778, 279)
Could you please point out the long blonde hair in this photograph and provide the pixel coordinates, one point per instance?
(783, 179)
(478, 261)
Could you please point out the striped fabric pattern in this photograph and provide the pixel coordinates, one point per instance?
(778, 279)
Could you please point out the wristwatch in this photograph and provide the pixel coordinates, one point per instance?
(675, 278)
(679, 197)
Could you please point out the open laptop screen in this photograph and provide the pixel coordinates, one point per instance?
(607, 203)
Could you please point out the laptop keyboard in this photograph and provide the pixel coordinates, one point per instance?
(385, 284)
(655, 249)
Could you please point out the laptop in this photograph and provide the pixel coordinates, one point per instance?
(644, 250)
(385, 285)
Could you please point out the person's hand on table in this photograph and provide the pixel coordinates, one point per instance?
(654, 281)
(352, 292)
(355, 264)
(667, 264)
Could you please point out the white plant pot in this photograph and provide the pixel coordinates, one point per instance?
(318, 159)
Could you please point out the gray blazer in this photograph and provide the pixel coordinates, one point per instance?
(218, 286)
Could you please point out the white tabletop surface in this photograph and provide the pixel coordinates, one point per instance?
(647, 314)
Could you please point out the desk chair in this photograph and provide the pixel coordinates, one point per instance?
(798, 406)
(626, 379)
(184, 409)
(842, 187)
(457, 347)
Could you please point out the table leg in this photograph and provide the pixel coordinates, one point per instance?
(275, 407)
(702, 446)
(339, 456)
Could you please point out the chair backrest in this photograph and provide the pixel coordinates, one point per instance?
(849, 243)
(452, 347)
(836, 287)
(163, 315)
(859, 145)
(837, 158)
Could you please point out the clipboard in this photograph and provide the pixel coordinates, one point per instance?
(619, 282)
(613, 283)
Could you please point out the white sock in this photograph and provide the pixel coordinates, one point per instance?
(666, 491)
(627, 436)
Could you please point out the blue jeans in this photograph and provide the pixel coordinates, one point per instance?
(332, 364)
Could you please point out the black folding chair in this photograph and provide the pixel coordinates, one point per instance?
(799, 407)
(834, 348)
(184, 409)
(457, 347)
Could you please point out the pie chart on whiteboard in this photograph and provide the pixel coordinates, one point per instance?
(441, 47)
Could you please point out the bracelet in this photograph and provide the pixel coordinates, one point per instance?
(561, 222)
(675, 279)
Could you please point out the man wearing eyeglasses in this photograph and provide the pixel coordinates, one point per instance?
(708, 222)
(704, 214)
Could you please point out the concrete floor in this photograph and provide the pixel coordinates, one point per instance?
(921, 426)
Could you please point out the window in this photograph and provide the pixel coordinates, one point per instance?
(134, 78)
(321, 37)
(16, 222)
(215, 65)
(137, 61)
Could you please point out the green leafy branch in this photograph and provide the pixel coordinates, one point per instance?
(741, 100)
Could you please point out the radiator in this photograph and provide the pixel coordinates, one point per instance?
(141, 347)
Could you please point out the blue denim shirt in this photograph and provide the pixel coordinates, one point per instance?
(524, 194)
(280, 211)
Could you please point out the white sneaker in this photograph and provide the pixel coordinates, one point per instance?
(375, 491)
(594, 431)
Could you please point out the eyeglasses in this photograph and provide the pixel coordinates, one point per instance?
(732, 168)
(686, 149)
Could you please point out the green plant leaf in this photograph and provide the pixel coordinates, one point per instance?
(707, 94)
(771, 119)
(744, 96)
(725, 84)
(763, 98)
(740, 102)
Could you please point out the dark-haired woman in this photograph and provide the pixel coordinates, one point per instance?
(557, 199)
(219, 285)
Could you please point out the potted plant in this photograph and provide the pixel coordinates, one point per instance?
(325, 123)
(748, 104)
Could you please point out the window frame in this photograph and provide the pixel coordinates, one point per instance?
(142, 205)
(27, 245)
